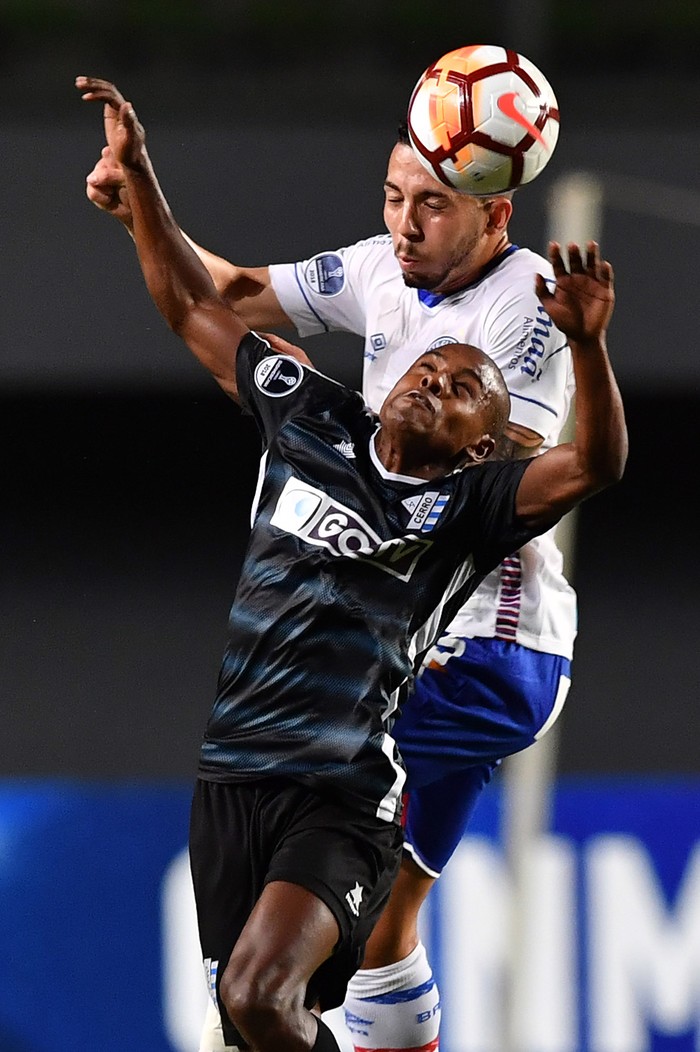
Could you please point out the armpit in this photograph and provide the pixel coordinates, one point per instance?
(517, 443)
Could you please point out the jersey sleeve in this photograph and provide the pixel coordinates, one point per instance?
(326, 292)
(275, 387)
(532, 353)
(501, 531)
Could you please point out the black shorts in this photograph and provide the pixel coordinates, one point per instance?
(244, 835)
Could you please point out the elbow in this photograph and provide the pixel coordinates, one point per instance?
(180, 311)
(618, 461)
(611, 470)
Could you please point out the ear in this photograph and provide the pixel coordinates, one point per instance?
(481, 450)
(499, 214)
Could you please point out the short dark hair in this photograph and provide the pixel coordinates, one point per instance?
(403, 139)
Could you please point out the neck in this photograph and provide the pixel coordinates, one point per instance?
(409, 458)
(472, 273)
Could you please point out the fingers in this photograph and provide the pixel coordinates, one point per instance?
(95, 88)
(556, 259)
(100, 196)
(105, 181)
(575, 259)
(278, 343)
(591, 264)
(107, 170)
(542, 289)
(592, 256)
(607, 274)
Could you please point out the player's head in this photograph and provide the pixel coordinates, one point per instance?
(449, 407)
(442, 238)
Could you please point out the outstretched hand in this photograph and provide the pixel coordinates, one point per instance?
(582, 300)
(125, 135)
(106, 189)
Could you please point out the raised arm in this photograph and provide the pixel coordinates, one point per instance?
(580, 304)
(247, 289)
(177, 280)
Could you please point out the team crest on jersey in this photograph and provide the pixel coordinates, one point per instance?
(442, 341)
(278, 375)
(314, 517)
(425, 509)
(325, 274)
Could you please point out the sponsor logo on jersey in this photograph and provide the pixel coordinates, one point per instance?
(325, 274)
(426, 509)
(532, 347)
(211, 969)
(442, 341)
(347, 448)
(354, 898)
(314, 517)
(278, 375)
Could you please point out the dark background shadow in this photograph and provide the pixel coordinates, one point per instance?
(127, 476)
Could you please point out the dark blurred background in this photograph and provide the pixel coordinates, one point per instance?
(127, 475)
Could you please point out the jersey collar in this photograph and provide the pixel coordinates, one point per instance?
(431, 299)
(391, 476)
(384, 473)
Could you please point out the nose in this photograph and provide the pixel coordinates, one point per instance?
(435, 382)
(408, 223)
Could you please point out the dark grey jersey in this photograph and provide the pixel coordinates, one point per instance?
(350, 574)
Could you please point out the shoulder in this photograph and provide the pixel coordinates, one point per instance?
(332, 271)
(524, 262)
(378, 244)
(369, 251)
(488, 488)
(263, 371)
(511, 284)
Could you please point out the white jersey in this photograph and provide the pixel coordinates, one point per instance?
(360, 289)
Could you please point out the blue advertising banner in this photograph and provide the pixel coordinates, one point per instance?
(596, 947)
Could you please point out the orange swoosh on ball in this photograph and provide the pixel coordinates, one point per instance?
(506, 104)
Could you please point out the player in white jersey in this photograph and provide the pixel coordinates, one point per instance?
(361, 289)
(446, 273)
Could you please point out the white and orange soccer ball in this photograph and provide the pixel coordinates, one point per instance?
(483, 119)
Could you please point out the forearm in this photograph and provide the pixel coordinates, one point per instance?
(247, 290)
(600, 436)
(580, 305)
(179, 283)
(174, 275)
(176, 278)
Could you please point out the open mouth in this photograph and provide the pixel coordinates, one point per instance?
(422, 399)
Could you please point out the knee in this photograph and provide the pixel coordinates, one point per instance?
(255, 1001)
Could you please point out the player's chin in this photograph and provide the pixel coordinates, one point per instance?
(411, 417)
(414, 274)
(417, 280)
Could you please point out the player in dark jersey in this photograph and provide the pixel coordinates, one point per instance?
(368, 531)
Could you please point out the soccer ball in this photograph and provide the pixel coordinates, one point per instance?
(483, 120)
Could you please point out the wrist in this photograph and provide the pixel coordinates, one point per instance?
(589, 343)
